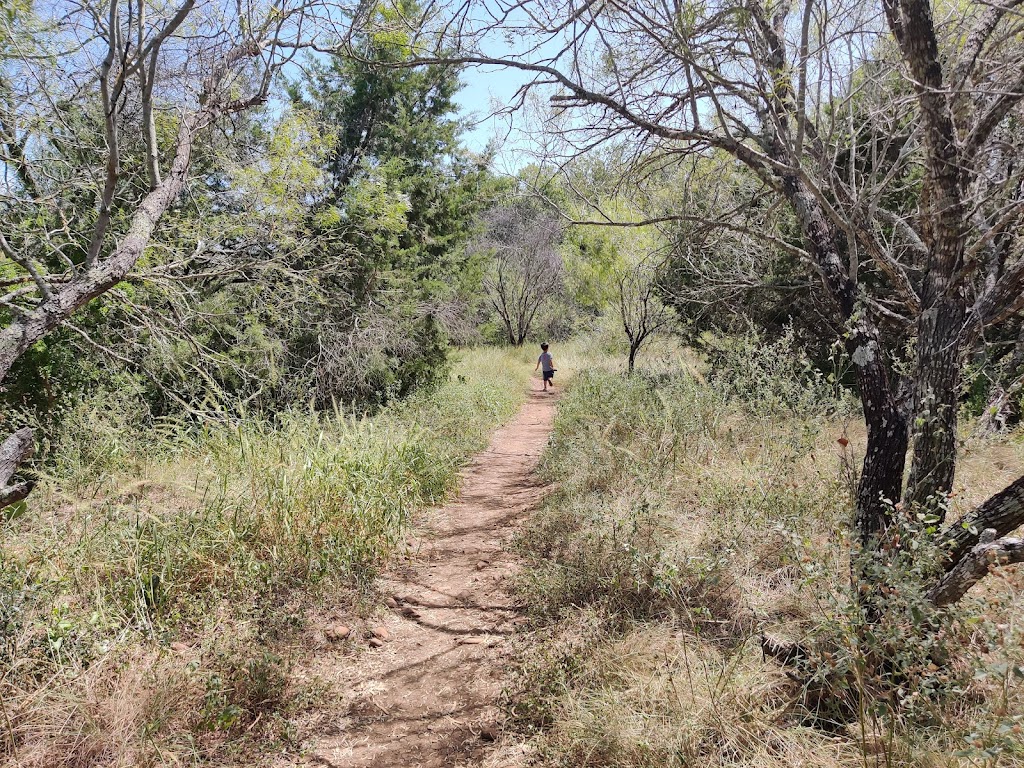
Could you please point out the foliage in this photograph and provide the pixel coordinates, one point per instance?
(399, 206)
(775, 376)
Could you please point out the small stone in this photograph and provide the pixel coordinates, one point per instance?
(376, 642)
(179, 647)
(411, 613)
(381, 634)
(489, 733)
(391, 602)
(340, 632)
(481, 564)
(471, 640)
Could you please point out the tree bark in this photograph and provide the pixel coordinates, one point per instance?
(943, 298)
(974, 565)
(936, 400)
(1002, 513)
(881, 480)
(14, 450)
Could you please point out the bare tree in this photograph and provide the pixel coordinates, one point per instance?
(102, 105)
(641, 309)
(833, 109)
(526, 266)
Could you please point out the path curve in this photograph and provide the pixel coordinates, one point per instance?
(428, 697)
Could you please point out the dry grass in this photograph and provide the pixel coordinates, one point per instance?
(658, 697)
(154, 595)
(663, 477)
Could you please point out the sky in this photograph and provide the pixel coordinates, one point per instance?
(486, 90)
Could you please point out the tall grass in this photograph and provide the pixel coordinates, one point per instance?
(214, 539)
(693, 513)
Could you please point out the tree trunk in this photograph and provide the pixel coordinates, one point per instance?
(1002, 513)
(943, 298)
(13, 452)
(881, 479)
(632, 356)
(936, 398)
(975, 565)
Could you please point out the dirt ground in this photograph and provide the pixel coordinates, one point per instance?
(427, 695)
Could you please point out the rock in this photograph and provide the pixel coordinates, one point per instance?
(391, 602)
(471, 640)
(411, 613)
(179, 647)
(340, 632)
(481, 564)
(489, 733)
(381, 634)
(376, 642)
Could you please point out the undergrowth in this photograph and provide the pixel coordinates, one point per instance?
(151, 591)
(694, 514)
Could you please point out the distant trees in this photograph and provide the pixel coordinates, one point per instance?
(525, 267)
(621, 271)
(641, 309)
(895, 155)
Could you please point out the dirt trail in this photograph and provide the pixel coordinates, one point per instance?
(428, 696)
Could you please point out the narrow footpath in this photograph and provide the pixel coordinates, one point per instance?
(428, 695)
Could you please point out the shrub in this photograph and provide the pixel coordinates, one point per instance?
(775, 377)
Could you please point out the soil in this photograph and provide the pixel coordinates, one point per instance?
(424, 689)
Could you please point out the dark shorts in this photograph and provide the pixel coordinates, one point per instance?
(549, 375)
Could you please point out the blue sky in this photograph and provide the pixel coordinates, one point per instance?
(487, 89)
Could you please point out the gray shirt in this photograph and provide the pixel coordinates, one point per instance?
(545, 361)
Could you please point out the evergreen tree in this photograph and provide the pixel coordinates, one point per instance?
(402, 197)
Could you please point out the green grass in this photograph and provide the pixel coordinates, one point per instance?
(221, 537)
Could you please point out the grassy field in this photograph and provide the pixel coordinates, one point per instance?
(154, 590)
(698, 508)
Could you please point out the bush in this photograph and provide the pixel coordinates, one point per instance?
(774, 377)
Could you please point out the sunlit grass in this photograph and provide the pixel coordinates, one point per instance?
(214, 536)
(684, 523)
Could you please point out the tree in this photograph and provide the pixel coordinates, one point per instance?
(103, 111)
(805, 98)
(620, 270)
(400, 203)
(641, 309)
(525, 265)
